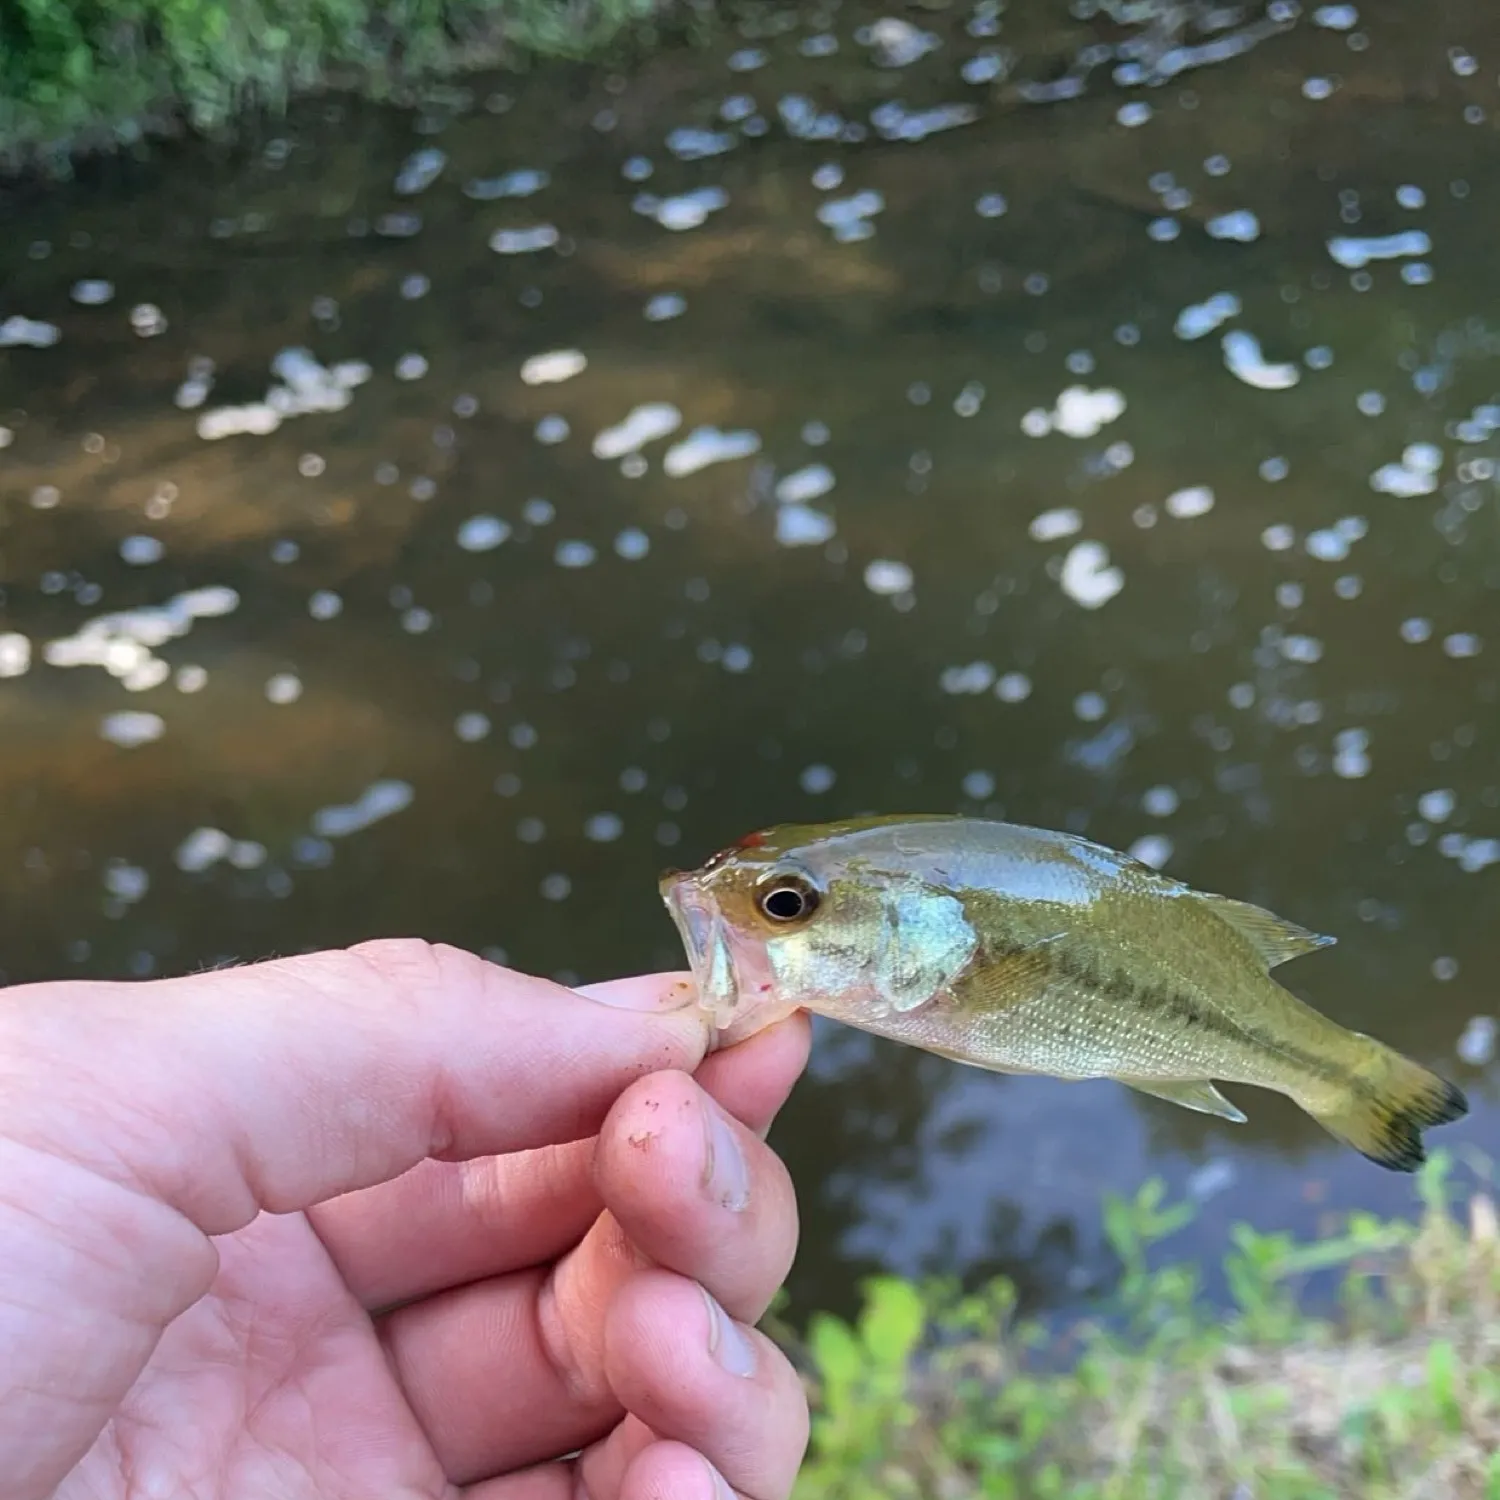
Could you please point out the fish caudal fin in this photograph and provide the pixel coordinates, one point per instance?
(1387, 1105)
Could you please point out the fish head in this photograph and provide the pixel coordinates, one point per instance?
(794, 917)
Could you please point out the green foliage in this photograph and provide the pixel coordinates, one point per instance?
(933, 1392)
(1132, 1229)
(91, 70)
(865, 1376)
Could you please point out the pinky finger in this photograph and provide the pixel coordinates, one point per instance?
(657, 1471)
(673, 1471)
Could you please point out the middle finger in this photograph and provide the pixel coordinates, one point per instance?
(510, 1371)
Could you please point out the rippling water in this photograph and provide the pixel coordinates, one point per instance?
(436, 520)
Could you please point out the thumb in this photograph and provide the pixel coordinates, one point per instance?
(277, 1085)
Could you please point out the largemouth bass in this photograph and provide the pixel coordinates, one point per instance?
(1023, 950)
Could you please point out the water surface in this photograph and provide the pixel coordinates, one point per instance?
(865, 413)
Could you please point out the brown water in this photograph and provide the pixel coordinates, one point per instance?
(1289, 694)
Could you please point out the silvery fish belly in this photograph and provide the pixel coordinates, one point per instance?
(1024, 950)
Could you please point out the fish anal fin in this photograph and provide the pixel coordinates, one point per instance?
(1273, 938)
(1192, 1093)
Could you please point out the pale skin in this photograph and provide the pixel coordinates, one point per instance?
(390, 1223)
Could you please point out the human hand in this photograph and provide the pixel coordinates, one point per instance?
(390, 1223)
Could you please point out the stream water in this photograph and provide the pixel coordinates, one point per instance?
(437, 519)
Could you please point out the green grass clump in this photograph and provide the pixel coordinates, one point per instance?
(83, 72)
(934, 1395)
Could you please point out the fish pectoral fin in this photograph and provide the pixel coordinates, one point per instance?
(1273, 938)
(1193, 1093)
(996, 981)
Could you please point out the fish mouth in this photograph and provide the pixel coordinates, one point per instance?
(733, 973)
(706, 941)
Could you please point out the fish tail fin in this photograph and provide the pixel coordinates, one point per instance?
(1387, 1103)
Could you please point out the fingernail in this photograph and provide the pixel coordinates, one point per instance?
(649, 992)
(725, 1341)
(721, 1484)
(725, 1175)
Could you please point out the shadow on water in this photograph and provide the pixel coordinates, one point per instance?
(1098, 463)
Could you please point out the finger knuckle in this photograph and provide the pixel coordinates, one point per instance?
(413, 966)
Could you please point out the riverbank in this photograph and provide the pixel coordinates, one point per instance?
(75, 78)
(1394, 1395)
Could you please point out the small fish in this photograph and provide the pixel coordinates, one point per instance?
(1023, 950)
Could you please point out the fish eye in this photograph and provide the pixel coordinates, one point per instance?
(787, 898)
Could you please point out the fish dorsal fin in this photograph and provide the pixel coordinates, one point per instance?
(1273, 938)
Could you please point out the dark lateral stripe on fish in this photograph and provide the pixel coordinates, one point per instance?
(1118, 985)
